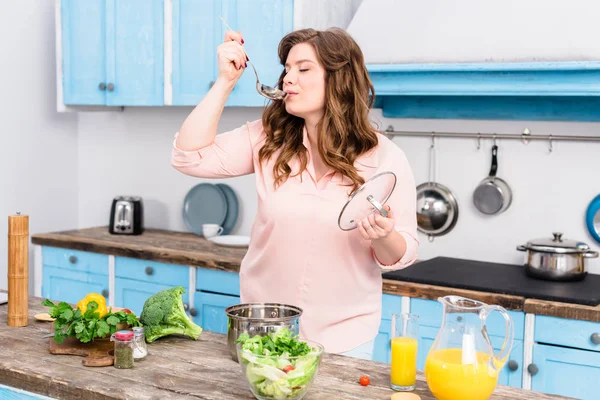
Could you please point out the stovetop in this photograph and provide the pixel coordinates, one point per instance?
(498, 278)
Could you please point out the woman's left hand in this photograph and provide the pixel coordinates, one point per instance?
(376, 226)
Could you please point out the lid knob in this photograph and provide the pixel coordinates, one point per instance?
(557, 236)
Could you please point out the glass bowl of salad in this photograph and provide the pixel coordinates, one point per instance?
(278, 365)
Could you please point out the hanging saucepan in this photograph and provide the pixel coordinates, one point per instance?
(437, 208)
(492, 195)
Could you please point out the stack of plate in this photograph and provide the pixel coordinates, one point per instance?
(208, 203)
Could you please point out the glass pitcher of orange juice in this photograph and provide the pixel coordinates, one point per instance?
(404, 351)
(461, 363)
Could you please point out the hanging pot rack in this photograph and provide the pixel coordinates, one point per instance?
(525, 137)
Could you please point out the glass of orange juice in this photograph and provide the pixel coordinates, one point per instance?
(405, 328)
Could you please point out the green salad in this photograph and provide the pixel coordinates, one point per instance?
(287, 370)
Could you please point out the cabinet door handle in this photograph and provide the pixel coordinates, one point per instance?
(186, 306)
(513, 365)
(102, 86)
(211, 84)
(149, 271)
(595, 338)
(193, 312)
(533, 369)
(72, 259)
(105, 293)
(110, 87)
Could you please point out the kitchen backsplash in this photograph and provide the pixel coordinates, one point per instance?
(550, 190)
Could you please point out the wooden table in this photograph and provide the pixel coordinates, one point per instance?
(178, 368)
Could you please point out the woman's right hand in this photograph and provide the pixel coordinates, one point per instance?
(231, 57)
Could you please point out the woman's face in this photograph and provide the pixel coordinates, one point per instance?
(304, 83)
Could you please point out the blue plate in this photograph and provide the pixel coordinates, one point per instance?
(205, 203)
(232, 208)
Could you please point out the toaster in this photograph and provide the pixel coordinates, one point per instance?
(126, 216)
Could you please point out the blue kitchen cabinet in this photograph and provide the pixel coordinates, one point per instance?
(566, 357)
(390, 304)
(113, 52)
(68, 275)
(566, 371)
(133, 294)
(137, 279)
(198, 30)
(215, 291)
(430, 314)
(196, 34)
(209, 310)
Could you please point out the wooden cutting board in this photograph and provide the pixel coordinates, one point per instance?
(98, 353)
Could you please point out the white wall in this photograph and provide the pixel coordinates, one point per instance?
(38, 147)
(409, 31)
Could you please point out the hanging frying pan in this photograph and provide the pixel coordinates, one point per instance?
(492, 195)
(437, 208)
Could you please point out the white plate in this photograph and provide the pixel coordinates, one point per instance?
(231, 240)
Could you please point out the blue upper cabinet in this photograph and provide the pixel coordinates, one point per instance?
(83, 51)
(197, 31)
(195, 38)
(113, 52)
(263, 23)
(134, 58)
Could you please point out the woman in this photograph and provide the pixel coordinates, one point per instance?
(309, 152)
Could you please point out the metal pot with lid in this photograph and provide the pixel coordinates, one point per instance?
(556, 258)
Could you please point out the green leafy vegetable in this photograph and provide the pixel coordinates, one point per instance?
(163, 314)
(85, 327)
(279, 365)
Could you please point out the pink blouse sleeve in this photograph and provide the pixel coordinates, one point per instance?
(403, 203)
(231, 154)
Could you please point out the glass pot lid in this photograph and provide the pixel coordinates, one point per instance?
(370, 197)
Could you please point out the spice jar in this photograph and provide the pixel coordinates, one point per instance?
(140, 350)
(123, 349)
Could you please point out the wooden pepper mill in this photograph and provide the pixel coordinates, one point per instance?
(18, 269)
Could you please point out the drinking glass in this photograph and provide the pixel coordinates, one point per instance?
(405, 328)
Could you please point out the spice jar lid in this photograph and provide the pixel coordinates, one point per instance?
(124, 335)
(557, 244)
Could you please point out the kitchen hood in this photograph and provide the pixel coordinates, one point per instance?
(472, 59)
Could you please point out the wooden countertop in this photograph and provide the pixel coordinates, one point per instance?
(189, 249)
(178, 368)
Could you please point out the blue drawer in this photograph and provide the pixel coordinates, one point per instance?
(75, 260)
(430, 314)
(211, 280)
(566, 332)
(152, 272)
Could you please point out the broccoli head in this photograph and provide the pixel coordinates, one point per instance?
(163, 314)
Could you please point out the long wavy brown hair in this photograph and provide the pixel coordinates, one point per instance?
(344, 132)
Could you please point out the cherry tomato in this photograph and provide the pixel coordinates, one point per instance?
(127, 311)
(364, 380)
(288, 368)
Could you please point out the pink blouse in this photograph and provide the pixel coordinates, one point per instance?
(298, 255)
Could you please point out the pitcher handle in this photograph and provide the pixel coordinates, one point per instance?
(502, 356)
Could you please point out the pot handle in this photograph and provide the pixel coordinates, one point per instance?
(494, 167)
(521, 248)
(590, 254)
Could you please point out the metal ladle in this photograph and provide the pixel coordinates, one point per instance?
(265, 90)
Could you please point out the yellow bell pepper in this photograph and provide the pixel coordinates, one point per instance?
(98, 298)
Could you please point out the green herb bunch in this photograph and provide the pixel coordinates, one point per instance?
(69, 322)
